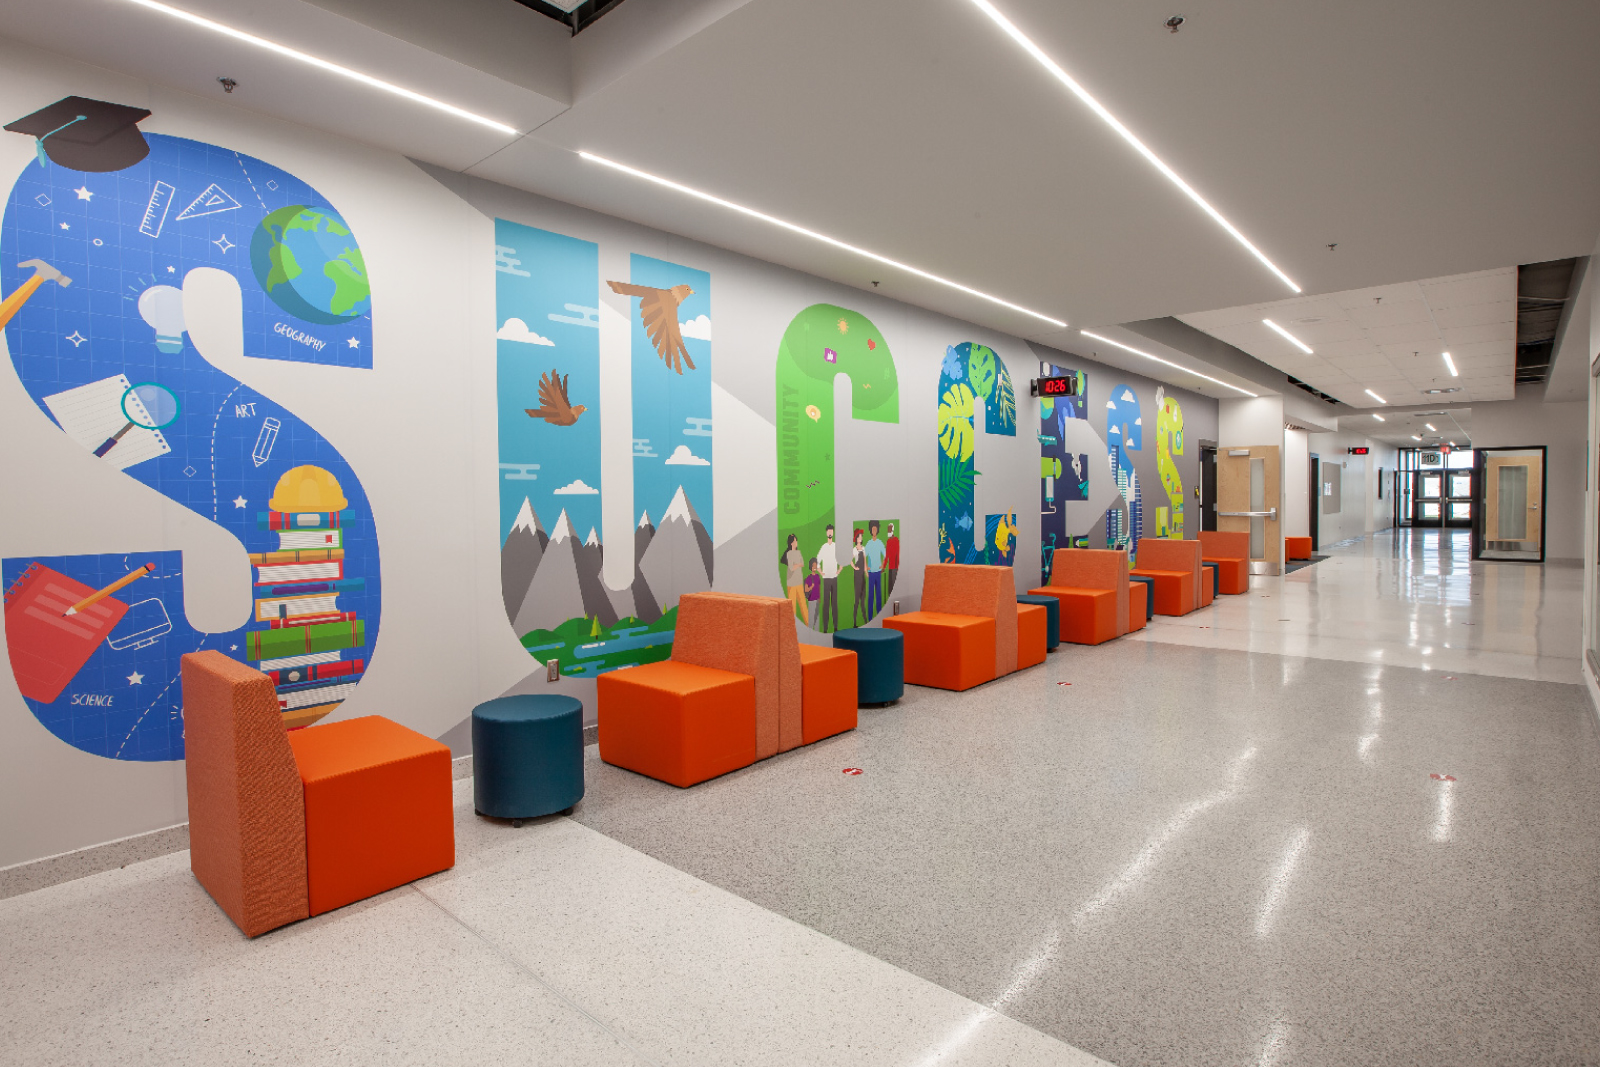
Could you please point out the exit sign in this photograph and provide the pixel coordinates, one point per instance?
(1358, 450)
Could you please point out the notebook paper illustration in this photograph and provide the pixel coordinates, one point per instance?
(47, 647)
(92, 414)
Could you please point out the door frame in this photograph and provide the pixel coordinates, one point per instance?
(1480, 489)
(1316, 500)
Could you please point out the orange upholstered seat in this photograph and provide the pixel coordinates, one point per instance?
(827, 692)
(1138, 616)
(679, 723)
(1092, 586)
(378, 808)
(282, 827)
(946, 651)
(1297, 548)
(1033, 635)
(1230, 551)
(751, 635)
(1175, 566)
(977, 589)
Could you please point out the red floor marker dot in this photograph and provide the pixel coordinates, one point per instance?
(1063, 683)
(1442, 777)
(857, 770)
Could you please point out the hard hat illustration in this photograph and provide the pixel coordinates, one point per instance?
(308, 488)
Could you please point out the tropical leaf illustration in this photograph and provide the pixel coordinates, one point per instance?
(981, 370)
(955, 422)
(956, 481)
(1004, 406)
(952, 368)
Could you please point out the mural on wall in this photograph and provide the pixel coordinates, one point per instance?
(1169, 443)
(1063, 476)
(821, 342)
(549, 310)
(1124, 434)
(128, 258)
(972, 376)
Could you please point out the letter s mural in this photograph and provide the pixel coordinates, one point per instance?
(112, 244)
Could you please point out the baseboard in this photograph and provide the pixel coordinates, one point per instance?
(25, 877)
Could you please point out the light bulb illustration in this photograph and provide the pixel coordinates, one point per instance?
(162, 307)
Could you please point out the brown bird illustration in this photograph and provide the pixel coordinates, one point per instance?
(658, 309)
(554, 407)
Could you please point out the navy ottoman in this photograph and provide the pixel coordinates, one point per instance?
(880, 662)
(1149, 595)
(527, 756)
(1211, 569)
(1052, 607)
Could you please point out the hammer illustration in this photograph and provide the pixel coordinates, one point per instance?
(42, 272)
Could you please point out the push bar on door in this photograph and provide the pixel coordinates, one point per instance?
(1272, 514)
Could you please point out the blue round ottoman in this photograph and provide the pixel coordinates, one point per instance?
(527, 756)
(1211, 569)
(880, 662)
(1052, 607)
(1149, 595)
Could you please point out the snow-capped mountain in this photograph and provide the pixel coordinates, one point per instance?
(678, 558)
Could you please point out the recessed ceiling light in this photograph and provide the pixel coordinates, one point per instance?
(1431, 426)
(1376, 397)
(1414, 437)
(1126, 134)
(1286, 335)
(1435, 392)
(814, 235)
(323, 64)
(1309, 320)
(1448, 362)
(1168, 362)
(1380, 418)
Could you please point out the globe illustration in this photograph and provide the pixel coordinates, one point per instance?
(309, 264)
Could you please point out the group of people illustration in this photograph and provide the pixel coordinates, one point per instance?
(813, 584)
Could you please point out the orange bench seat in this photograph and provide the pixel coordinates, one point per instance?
(946, 651)
(677, 722)
(1137, 615)
(1230, 551)
(1033, 634)
(1297, 548)
(1174, 590)
(827, 692)
(1088, 616)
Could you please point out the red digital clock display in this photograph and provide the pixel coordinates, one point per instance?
(1058, 386)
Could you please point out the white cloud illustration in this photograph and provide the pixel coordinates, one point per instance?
(1127, 394)
(697, 327)
(1111, 403)
(682, 457)
(577, 488)
(517, 330)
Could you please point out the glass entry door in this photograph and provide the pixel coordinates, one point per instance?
(1428, 498)
(1458, 498)
(1512, 504)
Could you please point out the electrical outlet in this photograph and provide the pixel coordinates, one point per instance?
(897, 607)
(552, 670)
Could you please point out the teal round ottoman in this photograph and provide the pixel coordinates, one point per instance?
(527, 756)
(1211, 569)
(1052, 607)
(1149, 595)
(880, 662)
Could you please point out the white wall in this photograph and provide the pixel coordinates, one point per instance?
(1360, 511)
(1563, 428)
(1296, 484)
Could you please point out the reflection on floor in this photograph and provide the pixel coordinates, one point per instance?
(1346, 819)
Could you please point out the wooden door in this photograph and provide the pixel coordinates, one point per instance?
(1249, 496)
(1513, 505)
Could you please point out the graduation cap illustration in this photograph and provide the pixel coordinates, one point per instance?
(88, 135)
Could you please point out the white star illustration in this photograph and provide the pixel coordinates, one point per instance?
(233, 648)
(135, 678)
(223, 243)
(239, 501)
(172, 270)
(76, 338)
(83, 193)
(354, 342)
(66, 225)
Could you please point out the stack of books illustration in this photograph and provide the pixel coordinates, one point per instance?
(309, 648)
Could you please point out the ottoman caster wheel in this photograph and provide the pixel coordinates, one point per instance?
(517, 823)
(570, 810)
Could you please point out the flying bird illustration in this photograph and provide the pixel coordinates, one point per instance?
(554, 407)
(658, 308)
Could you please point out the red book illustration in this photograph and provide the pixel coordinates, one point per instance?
(312, 620)
(48, 647)
(317, 672)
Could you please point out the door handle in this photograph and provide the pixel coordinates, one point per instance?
(1271, 514)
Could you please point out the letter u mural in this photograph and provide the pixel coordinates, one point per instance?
(550, 309)
(856, 559)
(134, 272)
(971, 375)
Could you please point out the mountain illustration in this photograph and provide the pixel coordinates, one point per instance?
(555, 594)
(519, 558)
(644, 601)
(678, 558)
(590, 557)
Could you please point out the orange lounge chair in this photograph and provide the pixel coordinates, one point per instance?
(1093, 588)
(1230, 551)
(735, 691)
(1138, 616)
(1175, 566)
(285, 826)
(947, 645)
(1297, 548)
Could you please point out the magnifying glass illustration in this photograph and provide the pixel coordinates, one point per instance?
(148, 406)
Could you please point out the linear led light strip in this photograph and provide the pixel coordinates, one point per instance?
(1126, 134)
(1168, 362)
(323, 64)
(1448, 362)
(1376, 397)
(1287, 336)
(814, 235)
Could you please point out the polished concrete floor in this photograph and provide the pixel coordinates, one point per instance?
(1350, 818)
